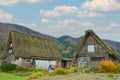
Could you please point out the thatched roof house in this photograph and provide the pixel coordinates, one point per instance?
(21, 45)
(93, 49)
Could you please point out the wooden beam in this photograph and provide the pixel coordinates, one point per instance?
(91, 55)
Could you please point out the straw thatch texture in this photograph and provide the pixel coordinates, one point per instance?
(27, 46)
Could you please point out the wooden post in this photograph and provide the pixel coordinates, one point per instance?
(33, 62)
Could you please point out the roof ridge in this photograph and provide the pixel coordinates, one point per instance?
(20, 32)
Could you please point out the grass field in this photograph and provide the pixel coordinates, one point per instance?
(72, 76)
(84, 76)
(11, 76)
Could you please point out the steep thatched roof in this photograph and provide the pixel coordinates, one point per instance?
(100, 41)
(25, 45)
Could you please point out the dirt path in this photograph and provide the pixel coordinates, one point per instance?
(80, 76)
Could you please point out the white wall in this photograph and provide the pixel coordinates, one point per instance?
(44, 63)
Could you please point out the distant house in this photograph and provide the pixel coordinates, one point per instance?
(38, 51)
(92, 50)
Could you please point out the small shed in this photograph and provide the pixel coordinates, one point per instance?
(38, 51)
(66, 62)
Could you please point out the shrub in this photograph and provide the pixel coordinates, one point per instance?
(118, 68)
(5, 67)
(52, 74)
(95, 69)
(43, 70)
(31, 68)
(80, 68)
(22, 69)
(73, 69)
(39, 74)
(107, 66)
(32, 77)
(60, 71)
(87, 70)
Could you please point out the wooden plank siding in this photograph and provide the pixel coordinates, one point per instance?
(92, 48)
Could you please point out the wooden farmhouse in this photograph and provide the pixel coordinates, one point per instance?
(92, 50)
(37, 51)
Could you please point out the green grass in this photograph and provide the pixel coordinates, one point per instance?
(19, 75)
(25, 76)
(10, 76)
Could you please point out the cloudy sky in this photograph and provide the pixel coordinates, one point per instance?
(65, 17)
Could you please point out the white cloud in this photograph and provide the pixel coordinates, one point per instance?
(13, 2)
(5, 17)
(74, 23)
(115, 25)
(87, 24)
(89, 14)
(36, 1)
(67, 22)
(69, 27)
(59, 11)
(32, 1)
(101, 5)
(45, 21)
(8, 2)
(70, 10)
(76, 28)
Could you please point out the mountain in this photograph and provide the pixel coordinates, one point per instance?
(74, 41)
(66, 41)
(113, 44)
(67, 44)
(5, 28)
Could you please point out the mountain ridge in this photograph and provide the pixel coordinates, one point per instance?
(67, 44)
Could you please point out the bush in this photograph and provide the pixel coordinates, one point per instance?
(60, 71)
(38, 74)
(87, 70)
(73, 69)
(80, 68)
(95, 69)
(32, 77)
(107, 66)
(5, 67)
(118, 68)
(22, 69)
(43, 70)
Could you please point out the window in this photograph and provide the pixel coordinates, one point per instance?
(11, 45)
(91, 48)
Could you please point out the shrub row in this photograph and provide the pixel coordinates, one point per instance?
(104, 66)
(5, 67)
